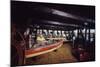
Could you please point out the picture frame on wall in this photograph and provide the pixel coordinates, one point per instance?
(51, 33)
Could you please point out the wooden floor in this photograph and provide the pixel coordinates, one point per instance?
(61, 55)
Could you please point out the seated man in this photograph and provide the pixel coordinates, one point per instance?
(50, 39)
(40, 40)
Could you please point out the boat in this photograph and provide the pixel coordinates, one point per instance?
(42, 50)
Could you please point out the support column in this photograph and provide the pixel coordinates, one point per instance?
(89, 35)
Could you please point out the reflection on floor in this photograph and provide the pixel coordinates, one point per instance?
(61, 55)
